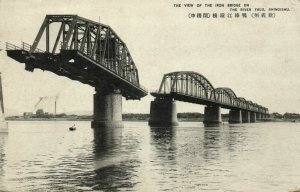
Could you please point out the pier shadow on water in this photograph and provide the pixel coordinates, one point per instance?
(211, 143)
(224, 138)
(3, 140)
(164, 141)
(114, 167)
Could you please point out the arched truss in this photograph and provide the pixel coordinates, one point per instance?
(223, 96)
(255, 106)
(242, 102)
(251, 105)
(187, 83)
(264, 110)
(94, 40)
(196, 85)
(226, 95)
(259, 108)
(229, 91)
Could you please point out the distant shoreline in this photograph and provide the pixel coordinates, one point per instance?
(134, 119)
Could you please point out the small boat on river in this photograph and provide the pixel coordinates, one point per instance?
(73, 128)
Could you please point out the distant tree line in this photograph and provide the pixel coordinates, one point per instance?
(189, 115)
(277, 115)
(142, 116)
(135, 116)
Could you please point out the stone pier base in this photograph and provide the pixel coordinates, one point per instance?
(3, 123)
(107, 109)
(246, 116)
(258, 116)
(212, 116)
(235, 116)
(163, 113)
(252, 117)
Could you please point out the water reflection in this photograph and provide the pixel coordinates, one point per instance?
(211, 143)
(163, 145)
(3, 140)
(113, 168)
(37, 156)
(106, 141)
(163, 139)
(236, 135)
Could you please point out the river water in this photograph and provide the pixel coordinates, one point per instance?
(46, 156)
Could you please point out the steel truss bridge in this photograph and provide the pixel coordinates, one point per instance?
(81, 50)
(192, 87)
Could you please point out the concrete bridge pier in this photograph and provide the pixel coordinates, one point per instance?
(252, 117)
(235, 116)
(107, 108)
(258, 116)
(245, 116)
(212, 116)
(163, 113)
(3, 123)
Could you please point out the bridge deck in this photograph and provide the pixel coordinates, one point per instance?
(78, 66)
(196, 100)
(83, 50)
(192, 87)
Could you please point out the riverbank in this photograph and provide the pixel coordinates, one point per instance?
(130, 118)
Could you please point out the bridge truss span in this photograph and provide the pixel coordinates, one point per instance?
(82, 50)
(189, 86)
(187, 83)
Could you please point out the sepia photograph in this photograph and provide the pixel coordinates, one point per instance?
(150, 96)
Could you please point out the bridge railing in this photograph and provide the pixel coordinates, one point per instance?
(24, 46)
(10, 46)
(27, 47)
(108, 64)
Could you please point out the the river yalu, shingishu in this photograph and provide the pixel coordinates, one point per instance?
(46, 156)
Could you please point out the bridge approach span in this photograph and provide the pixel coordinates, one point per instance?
(192, 87)
(89, 52)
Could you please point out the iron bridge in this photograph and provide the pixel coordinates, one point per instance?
(192, 87)
(81, 50)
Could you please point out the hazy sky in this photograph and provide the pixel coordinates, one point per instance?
(257, 58)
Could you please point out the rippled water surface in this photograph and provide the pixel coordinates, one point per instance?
(46, 156)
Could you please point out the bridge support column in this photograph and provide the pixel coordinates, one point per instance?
(3, 123)
(252, 117)
(235, 116)
(163, 113)
(212, 116)
(107, 109)
(258, 116)
(246, 116)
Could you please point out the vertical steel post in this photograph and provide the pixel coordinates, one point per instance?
(88, 51)
(181, 83)
(95, 44)
(57, 38)
(187, 85)
(83, 40)
(69, 34)
(75, 36)
(39, 35)
(47, 37)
